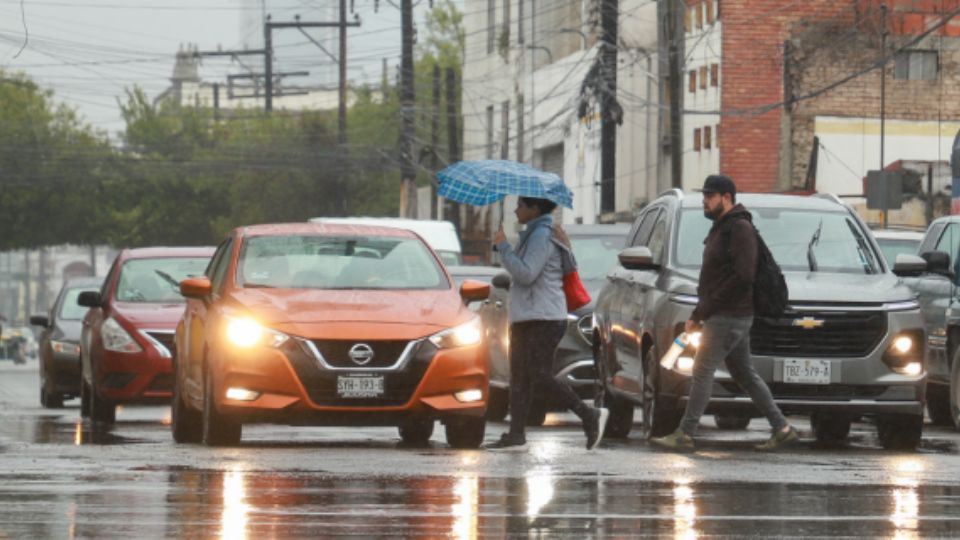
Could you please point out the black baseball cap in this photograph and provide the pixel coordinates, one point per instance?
(718, 183)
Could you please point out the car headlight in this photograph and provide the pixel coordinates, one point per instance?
(116, 339)
(65, 347)
(464, 335)
(905, 353)
(246, 332)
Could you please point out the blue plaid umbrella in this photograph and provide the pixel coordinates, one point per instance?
(487, 181)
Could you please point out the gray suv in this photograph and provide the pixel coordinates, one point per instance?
(851, 342)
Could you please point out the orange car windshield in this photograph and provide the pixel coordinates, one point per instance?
(338, 262)
(157, 280)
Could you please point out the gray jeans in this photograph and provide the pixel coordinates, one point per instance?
(727, 340)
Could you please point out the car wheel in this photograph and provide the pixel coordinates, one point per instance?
(186, 424)
(620, 420)
(416, 431)
(658, 418)
(48, 399)
(938, 405)
(466, 431)
(955, 389)
(900, 431)
(101, 410)
(498, 405)
(830, 429)
(84, 399)
(537, 414)
(731, 421)
(218, 430)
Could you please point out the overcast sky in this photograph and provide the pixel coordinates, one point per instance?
(88, 51)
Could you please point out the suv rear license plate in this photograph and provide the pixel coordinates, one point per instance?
(806, 371)
(359, 386)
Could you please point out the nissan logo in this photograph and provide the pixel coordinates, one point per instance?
(361, 353)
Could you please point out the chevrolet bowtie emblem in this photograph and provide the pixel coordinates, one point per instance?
(808, 323)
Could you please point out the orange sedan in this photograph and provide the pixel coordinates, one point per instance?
(313, 324)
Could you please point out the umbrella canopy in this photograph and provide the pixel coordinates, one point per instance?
(487, 181)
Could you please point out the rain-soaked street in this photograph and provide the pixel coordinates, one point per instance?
(62, 478)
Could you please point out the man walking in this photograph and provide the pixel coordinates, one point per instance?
(724, 313)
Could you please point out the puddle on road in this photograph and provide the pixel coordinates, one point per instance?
(244, 504)
(57, 430)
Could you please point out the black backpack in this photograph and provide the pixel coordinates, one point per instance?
(769, 287)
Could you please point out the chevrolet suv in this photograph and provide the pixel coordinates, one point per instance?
(850, 344)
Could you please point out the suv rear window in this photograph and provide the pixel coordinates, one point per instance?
(841, 247)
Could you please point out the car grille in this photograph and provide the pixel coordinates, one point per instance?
(167, 340)
(337, 352)
(802, 391)
(398, 385)
(842, 334)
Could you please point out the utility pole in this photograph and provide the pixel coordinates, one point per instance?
(342, 90)
(883, 104)
(268, 65)
(453, 141)
(408, 185)
(435, 137)
(674, 26)
(610, 113)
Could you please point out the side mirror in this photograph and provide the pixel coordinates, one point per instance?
(473, 291)
(90, 299)
(501, 281)
(40, 320)
(637, 258)
(909, 265)
(938, 262)
(198, 287)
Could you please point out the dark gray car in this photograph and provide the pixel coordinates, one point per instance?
(60, 343)
(851, 342)
(596, 248)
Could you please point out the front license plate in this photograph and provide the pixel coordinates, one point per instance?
(359, 386)
(806, 371)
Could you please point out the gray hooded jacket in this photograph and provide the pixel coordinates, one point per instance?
(536, 271)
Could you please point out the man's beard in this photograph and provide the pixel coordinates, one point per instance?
(712, 214)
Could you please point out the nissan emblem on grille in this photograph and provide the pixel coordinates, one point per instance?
(361, 353)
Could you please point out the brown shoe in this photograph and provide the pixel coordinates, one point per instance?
(678, 441)
(780, 439)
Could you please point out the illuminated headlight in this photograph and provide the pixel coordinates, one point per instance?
(242, 394)
(246, 333)
(695, 338)
(469, 396)
(912, 369)
(903, 344)
(116, 339)
(468, 333)
(685, 365)
(905, 353)
(64, 347)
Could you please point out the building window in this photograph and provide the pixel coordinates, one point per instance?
(489, 152)
(688, 20)
(699, 15)
(709, 8)
(520, 127)
(706, 138)
(504, 130)
(714, 74)
(716, 136)
(696, 139)
(506, 23)
(916, 65)
(693, 80)
(703, 77)
(491, 26)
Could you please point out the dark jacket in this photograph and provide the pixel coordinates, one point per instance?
(729, 267)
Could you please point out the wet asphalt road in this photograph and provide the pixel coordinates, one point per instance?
(63, 478)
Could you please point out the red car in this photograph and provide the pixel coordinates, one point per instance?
(126, 345)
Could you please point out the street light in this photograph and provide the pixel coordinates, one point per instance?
(583, 35)
(542, 48)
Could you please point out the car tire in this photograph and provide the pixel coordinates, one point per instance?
(620, 420)
(498, 404)
(938, 405)
(658, 419)
(101, 410)
(955, 389)
(466, 431)
(48, 399)
(186, 424)
(416, 431)
(217, 429)
(84, 399)
(830, 429)
(900, 431)
(732, 422)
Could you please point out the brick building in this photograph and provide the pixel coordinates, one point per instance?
(787, 73)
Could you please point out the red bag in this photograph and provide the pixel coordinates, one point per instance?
(576, 293)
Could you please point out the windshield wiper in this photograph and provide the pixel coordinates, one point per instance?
(168, 278)
(814, 240)
(257, 286)
(865, 253)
